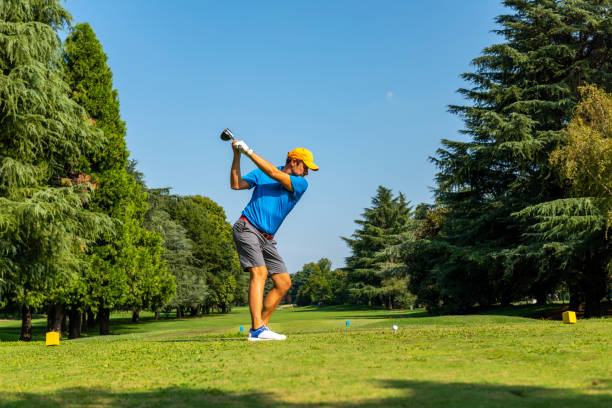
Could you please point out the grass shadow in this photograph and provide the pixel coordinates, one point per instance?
(118, 325)
(407, 393)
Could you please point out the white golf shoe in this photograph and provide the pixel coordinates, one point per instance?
(264, 334)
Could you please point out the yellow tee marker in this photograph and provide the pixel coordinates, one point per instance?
(53, 339)
(569, 317)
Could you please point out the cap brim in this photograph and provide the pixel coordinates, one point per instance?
(311, 165)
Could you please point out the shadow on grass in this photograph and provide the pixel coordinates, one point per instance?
(408, 394)
(12, 332)
(117, 326)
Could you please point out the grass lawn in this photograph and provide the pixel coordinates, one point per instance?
(486, 360)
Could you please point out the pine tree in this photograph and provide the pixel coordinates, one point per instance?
(571, 234)
(523, 94)
(44, 226)
(382, 227)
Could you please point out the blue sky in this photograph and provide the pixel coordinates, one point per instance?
(365, 85)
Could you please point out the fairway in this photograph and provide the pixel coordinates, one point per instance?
(451, 361)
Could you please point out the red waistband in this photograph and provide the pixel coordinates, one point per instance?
(265, 234)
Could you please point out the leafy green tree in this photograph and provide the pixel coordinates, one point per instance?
(422, 256)
(44, 223)
(213, 247)
(382, 227)
(190, 278)
(523, 93)
(322, 286)
(586, 160)
(299, 279)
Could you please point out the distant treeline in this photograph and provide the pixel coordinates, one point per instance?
(80, 234)
(523, 207)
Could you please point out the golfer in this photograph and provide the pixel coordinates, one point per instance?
(277, 191)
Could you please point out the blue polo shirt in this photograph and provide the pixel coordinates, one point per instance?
(271, 202)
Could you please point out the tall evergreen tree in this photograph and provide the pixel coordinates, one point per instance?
(382, 226)
(571, 234)
(522, 98)
(128, 270)
(44, 136)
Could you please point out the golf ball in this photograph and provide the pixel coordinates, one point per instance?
(394, 327)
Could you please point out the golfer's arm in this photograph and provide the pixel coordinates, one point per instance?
(236, 180)
(272, 171)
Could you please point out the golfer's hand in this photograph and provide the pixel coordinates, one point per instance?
(243, 147)
(234, 147)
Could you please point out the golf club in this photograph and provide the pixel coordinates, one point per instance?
(227, 135)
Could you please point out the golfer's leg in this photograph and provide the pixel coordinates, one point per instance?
(259, 274)
(282, 283)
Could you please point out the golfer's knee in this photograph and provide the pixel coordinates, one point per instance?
(259, 273)
(283, 286)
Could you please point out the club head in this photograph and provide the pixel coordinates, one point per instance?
(227, 135)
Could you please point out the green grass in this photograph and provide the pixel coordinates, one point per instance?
(494, 360)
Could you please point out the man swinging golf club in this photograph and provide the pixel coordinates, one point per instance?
(277, 191)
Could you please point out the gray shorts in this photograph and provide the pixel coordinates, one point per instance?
(255, 250)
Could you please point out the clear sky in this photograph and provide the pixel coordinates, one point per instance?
(363, 84)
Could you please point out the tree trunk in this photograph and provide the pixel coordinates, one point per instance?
(103, 318)
(157, 315)
(83, 322)
(50, 317)
(26, 324)
(64, 325)
(195, 311)
(595, 285)
(58, 319)
(75, 324)
(595, 290)
(91, 319)
(390, 303)
(541, 299)
(135, 316)
(574, 298)
(179, 312)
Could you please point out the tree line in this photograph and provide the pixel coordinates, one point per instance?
(80, 233)
(523, 206)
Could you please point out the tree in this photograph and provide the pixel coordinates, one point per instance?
(200, 252)
(322, 286)
(213, 247)
(190, 278)
(586, 160)
(299, 279)
(382, 227)
(521, 100)
(570, 234)
(128, 270)
(44, 223)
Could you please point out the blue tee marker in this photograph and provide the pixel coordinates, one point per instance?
(241, 328)
(348, 323)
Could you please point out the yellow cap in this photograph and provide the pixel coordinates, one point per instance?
(304, 155)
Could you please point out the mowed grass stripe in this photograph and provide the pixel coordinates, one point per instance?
(463, 361)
